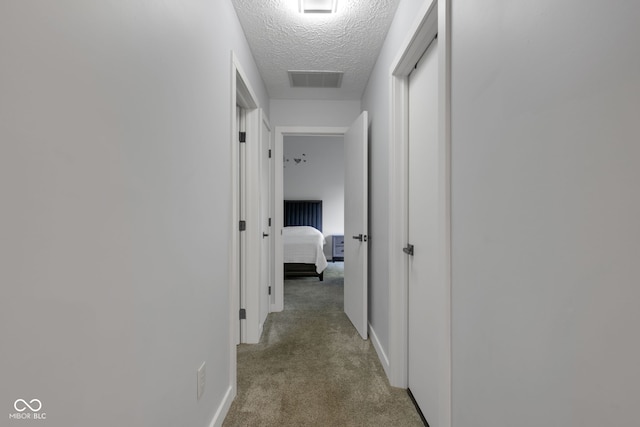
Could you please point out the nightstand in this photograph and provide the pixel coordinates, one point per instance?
(338, 248)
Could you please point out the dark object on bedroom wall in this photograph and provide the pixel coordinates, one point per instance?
(296, 160)
(303, 212)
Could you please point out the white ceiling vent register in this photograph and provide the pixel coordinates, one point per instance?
(317, 6)
(317, 79)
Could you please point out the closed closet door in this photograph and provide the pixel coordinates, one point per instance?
(425, 293)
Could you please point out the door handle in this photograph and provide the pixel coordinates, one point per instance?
(359, 237)
(408, 250)
(265, 235)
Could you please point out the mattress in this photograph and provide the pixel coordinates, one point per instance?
(304, 245)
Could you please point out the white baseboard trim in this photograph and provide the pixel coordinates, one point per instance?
(223, 408)
(384, 360)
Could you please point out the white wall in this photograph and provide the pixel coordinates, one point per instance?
(318, 176)
(114, 179)
(289, 112)
(376, 101)
(545, 209)
(546, 205)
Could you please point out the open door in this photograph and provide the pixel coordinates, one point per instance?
(356, 223)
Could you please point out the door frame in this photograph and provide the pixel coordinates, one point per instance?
(266, 146)
(433, 18)
(241, 94)
(278, 198)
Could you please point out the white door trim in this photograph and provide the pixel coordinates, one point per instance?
(433, 18)
(265, 121)
(265, 146)
(278, 197)
(241, 94)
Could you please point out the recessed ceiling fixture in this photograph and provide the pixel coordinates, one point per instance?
(317, 6)
(320, 79)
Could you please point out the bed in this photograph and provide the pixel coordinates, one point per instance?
(303, 239)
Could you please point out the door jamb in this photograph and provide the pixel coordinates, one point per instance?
(278, 198)
(264, 120)
(241, 94)
(433, 18)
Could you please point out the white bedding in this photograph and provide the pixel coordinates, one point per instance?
(304, 245)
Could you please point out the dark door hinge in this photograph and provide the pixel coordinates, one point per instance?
(269, 290)
(243, 137)
(243, 225)
(269, 153)
(269, 222)
(243, 314)
(408, 250)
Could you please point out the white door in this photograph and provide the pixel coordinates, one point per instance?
(426, 302)
(356, 223)
(265, 220)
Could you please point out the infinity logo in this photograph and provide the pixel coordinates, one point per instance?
(26, 405)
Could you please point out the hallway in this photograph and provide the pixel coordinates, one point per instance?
(312, 368)
(119, 261)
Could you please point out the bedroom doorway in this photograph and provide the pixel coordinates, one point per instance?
(313, 189)
(355, 287)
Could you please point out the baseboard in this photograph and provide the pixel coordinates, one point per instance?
(223, 409)
(384, 360)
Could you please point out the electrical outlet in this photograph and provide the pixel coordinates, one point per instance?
(202, 376)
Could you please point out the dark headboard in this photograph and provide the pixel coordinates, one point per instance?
(303, 212)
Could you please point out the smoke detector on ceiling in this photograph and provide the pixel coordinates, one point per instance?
(317, 79)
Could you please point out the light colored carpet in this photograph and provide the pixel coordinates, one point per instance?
(311, 367)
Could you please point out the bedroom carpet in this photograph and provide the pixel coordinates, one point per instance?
(311, 367)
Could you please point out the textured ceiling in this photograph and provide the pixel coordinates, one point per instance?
(283, 39)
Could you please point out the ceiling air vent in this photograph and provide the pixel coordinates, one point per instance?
(319, 79)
